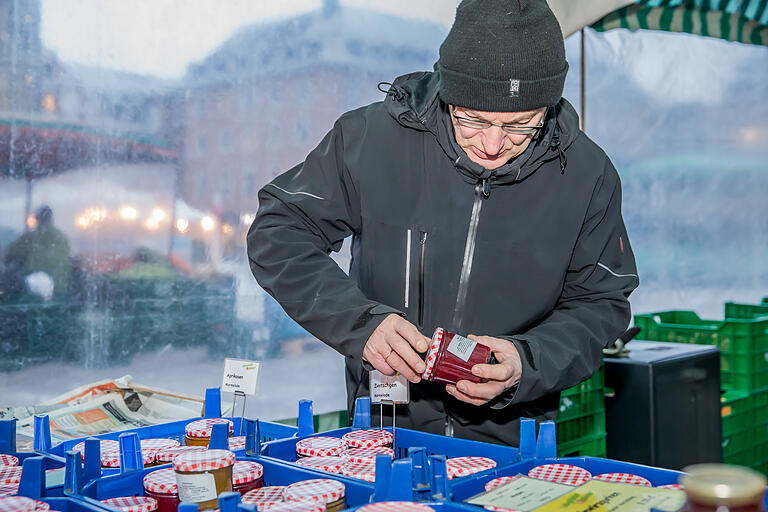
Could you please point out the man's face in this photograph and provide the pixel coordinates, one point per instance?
(492, 147)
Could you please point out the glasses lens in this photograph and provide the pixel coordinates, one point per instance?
(471, 123)
(518, 131)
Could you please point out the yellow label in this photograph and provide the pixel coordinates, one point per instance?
(725, 411)
(600, 496)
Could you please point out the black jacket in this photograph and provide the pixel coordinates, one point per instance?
(534, 251)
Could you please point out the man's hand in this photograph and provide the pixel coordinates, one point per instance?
(390, 349)
(498, 377)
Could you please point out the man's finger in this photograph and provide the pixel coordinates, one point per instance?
(464, 397)
(486, 390)
(378, 361)
(411, 334)
(498, 372)
(406, 353)
(495, 344)
(397, 363)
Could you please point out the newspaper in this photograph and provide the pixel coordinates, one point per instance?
(101, 407)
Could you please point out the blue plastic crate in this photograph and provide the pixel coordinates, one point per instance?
(53, 479)
(130, 483)
(407, 443)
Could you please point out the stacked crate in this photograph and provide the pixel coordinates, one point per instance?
(743, 342)
(581, 420)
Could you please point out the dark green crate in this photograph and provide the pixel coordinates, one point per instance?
(736, 411)
(760, 433)
(593, 383)
(593, 446)
(760, 406)
(737, 442)
(748, 381)
(761, 467)
(581, 427)
(581, 404)
(736, 310)
(743, 458)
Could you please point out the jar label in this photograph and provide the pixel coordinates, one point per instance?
(461, 347)
(196, 488)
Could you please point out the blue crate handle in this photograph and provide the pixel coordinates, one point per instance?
(401, 481)
(527, 438)
(252, 437)
(219, 437)
(228, 501)
(247, 507)
(438, 484)
(42, 434)
(362, 418)
(33, 470)
(8, 436)
(382, 483)
(306, 422)
(187, 506)
(212, 407)
(91, 459)
(73, 473)
(546, 442)
(130, 452)
(420, 464)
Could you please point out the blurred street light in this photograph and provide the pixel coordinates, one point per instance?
(207, 223)
(226, 228)
(128, 213)
(159, 214)
(31, 222)
(151, 224)
(182, 225)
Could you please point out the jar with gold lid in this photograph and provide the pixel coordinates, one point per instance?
(202, 476)
(723, 488)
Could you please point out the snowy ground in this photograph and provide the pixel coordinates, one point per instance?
(317, 375)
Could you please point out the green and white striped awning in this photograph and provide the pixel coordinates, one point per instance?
(745, 21)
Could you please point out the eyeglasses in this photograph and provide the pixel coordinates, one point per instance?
(480, 124)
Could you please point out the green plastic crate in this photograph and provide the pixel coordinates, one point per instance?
(582, 410)
(743, 343)
(736, 443)
(736, 310)
(593, 446)
(760, 406)
(737, 412)
(581, 427)
(742, 458)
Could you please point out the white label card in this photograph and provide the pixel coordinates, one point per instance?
(461, 347)
(240, 375)
(386, 389)
(196, 488)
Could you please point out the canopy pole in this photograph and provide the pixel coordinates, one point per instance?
(28, 204)
(583, 75)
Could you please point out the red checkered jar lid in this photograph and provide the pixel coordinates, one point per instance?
(132, 503)
(264, 495)
(366, 454)
(360, 470)
(498, 482)
(676, 487)
(236, 443)
(208, 460)
(9, 489)
(162, 481)
(623, 478)
(245, 472)
(168, 454)
(296, 506)
(202, 428)
(322, 490)
(8, 460)
(105, 445)
(10, 475)
(434, 350)
(22, 504)
(396, 506)
(320, 446)
(561, 474)
(111, 459)
(330, 464)
(368, 438)
(464, 466)
(158, 444)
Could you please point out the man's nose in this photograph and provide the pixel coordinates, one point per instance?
(493, 140)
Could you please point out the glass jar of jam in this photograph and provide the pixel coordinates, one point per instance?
(161, 485)
(132, 503)
(202, 476)
(247, 476)
(198, 433)
(723, 488)
(320, 446)
(329, 492)
(451, 357)
(396, 506)
(264, 497)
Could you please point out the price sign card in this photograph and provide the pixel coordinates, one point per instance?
(600, 496)
(521, 494)
(240, 375)
(388, 390)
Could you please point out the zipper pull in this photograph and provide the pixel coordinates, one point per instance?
(486, 187)
(423, 238)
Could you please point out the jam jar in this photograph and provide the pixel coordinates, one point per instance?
(202, 476)
(451, 357)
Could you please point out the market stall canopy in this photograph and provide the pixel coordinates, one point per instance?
(745, 21)
(32, 148)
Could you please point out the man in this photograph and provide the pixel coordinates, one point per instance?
(44, 249)
(475, 204)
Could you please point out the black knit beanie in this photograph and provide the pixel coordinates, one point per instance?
(503, 56)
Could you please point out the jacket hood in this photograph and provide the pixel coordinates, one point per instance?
(413, 100)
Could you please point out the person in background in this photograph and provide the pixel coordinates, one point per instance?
(474, 203)
(45, 250)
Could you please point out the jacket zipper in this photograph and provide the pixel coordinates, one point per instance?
(469, 254)
(407, 267)
(422, 264)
